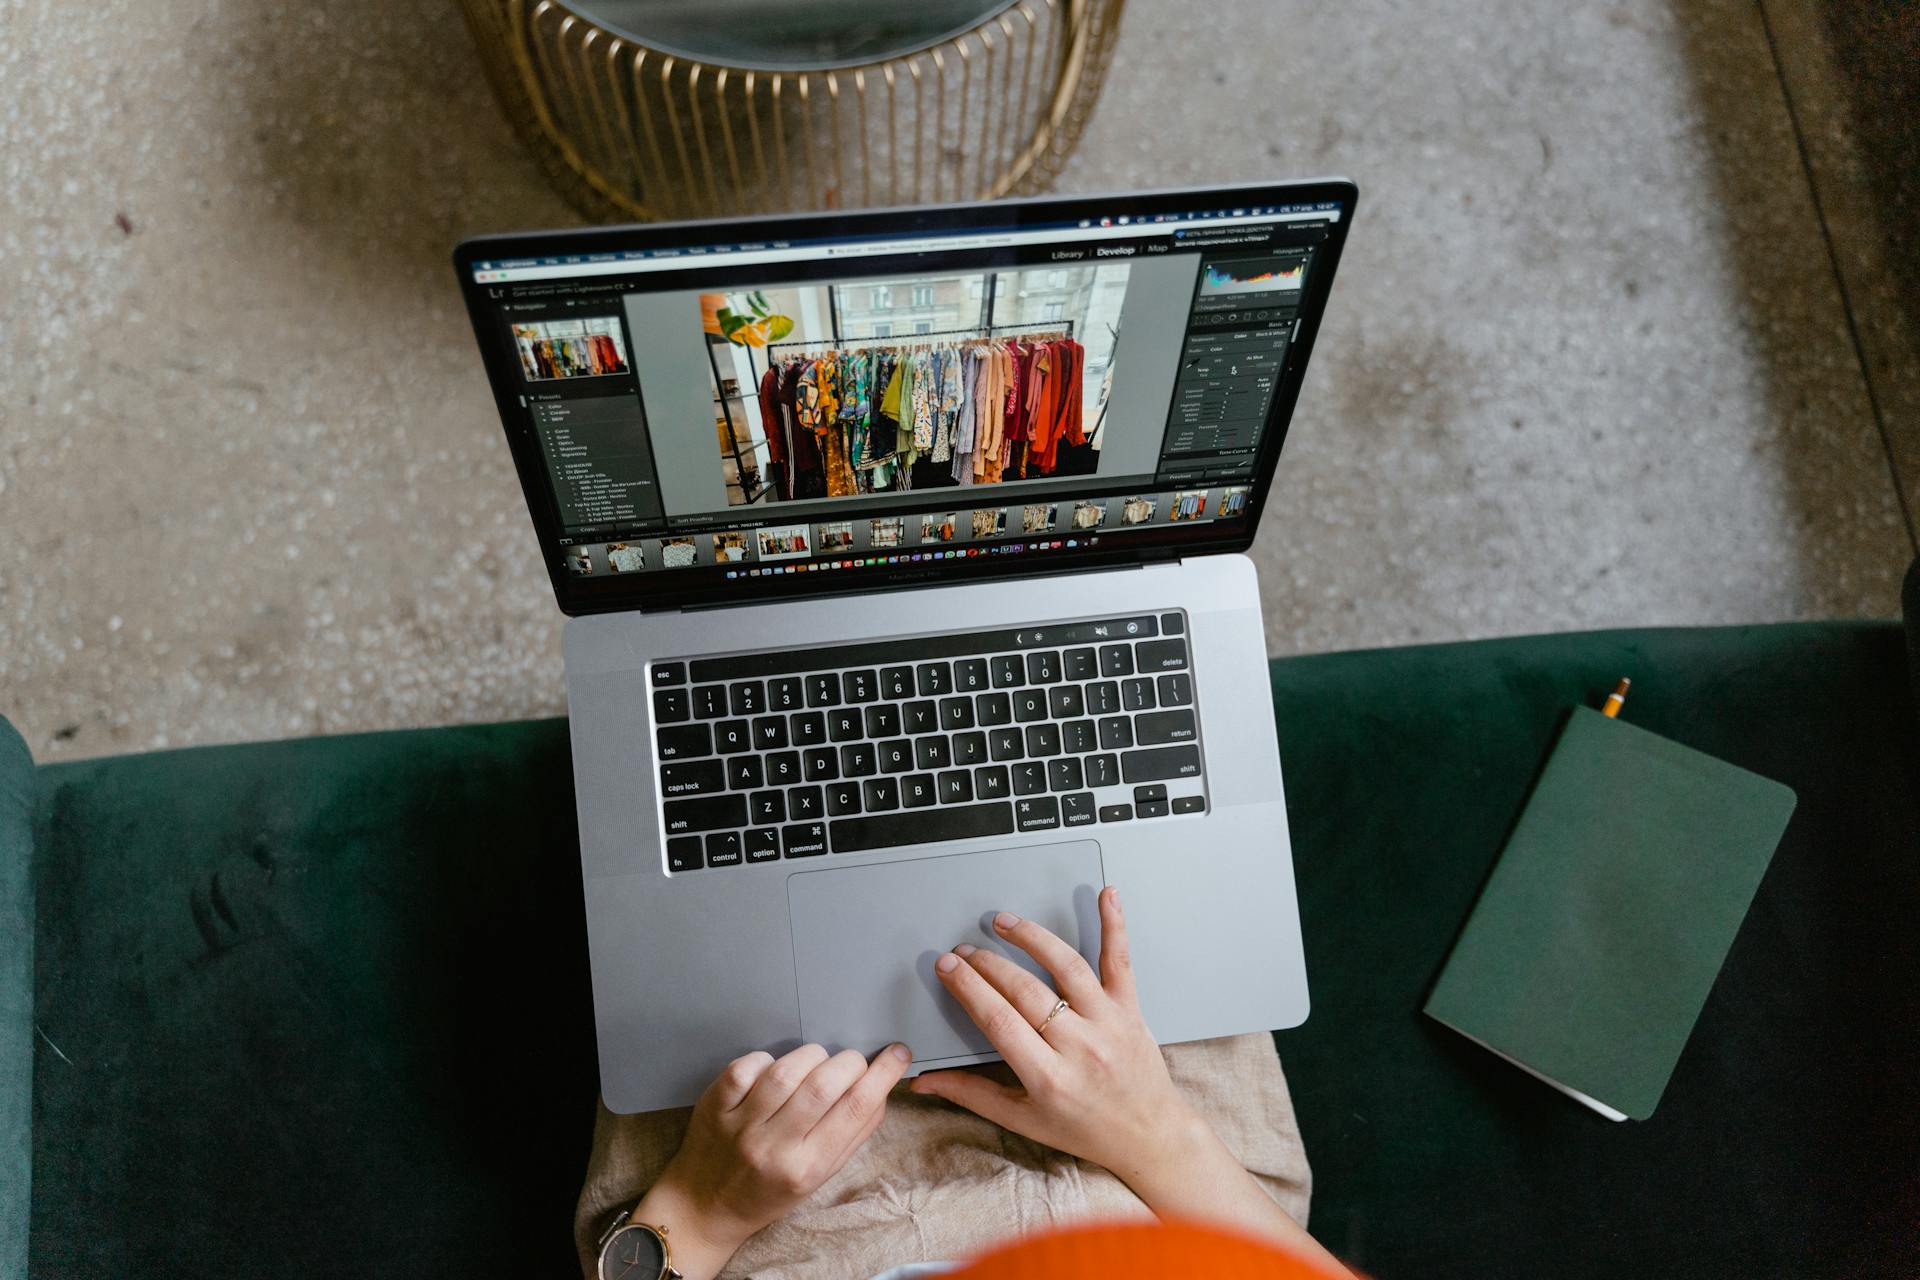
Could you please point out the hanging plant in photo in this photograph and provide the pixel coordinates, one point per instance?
(744, 319)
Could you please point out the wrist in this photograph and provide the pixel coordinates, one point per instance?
(700, 1239)
(1162, 1169)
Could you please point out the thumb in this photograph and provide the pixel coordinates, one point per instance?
(988, 1099)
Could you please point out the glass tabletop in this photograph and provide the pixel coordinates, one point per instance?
(787, 35)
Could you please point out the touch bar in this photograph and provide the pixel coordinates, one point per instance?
(921, 648)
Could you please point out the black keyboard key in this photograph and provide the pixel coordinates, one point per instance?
(770, 733)
(1029, 705)
(685, 853)
(1078, 736)
(917, 792)
(990, 709)
(1076, 810)
(846, 725)
(880, 794)
(1176, 689)
(1163, 726)
(1103, 770)
(783, 769)
(955, 787)
(820, 764)
(823, 691)
(803, 803)
(1029, 778)
(743, 773)
(1160, 762)
(807, 728)
(723, 849)
(1005, 744)
(896, 755)
(931, 753)
(710, 701)
(1150, 791)
(685, 741)
(1064, 774)
(1081, 664)
(1103, 698)
(1037, 813)
(956, 713)
(860, 686)
(1008, 671)
(922, 717)
(1064, 702)
(767, 806)
(858, 759)
(670, 705)
(990, 782)
(1162, 655)
(1116, 660)
(1116, 733)
(706, 813)
(786, 693)
(1043, 667)
(883, 720)
(1150, 808)
(804, 839)
(1137, 694)
(953, 822)
(1116, 813)
(1043, 739)
(934, 679)
(692, 778)
(731, 736)
(843, 798)
(748, 698)
(1189, 804)
(896, 683)
(970, 748)
(669, 673)
(761, 844)
(970, 675)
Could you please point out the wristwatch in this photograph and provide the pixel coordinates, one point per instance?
(632, 1250)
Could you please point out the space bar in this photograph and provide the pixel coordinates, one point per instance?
(920, 826)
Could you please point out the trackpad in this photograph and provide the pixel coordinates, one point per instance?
(865, 939)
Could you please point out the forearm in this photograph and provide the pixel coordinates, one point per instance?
(698, 1243)
(1192, 1175)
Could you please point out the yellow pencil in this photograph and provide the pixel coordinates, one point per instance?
(1616, 699)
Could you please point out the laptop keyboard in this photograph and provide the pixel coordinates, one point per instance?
(853, 748)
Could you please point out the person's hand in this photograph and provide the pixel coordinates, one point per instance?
(1094, 1083)
(763, 1136)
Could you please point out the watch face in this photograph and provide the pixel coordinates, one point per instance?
(634, 1253)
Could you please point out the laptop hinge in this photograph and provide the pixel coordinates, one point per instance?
(710, 605)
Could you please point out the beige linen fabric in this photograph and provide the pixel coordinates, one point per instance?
(936, 1182)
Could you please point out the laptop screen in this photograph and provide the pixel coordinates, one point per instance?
(725, 410)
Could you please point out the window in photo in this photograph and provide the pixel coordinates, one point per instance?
(1089, 515)
(1191, 505)
(554, 349)
(677, 553)
(940, 528)
(989, 523)
(626, 557)
(783, 543)
(886, 533)
(834, 538)
(729, 548)
(1038, 517)
(1139, 510)
(1233, 502)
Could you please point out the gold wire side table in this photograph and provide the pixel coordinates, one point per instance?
(652, 109)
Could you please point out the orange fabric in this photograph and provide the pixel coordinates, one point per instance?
(1139, 1251)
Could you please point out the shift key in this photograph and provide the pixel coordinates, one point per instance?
(1155, 727)
(708, 813)
(1155, 765)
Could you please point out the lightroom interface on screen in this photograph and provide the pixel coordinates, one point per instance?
(781, 402)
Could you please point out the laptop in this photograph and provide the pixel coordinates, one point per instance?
(902, 556)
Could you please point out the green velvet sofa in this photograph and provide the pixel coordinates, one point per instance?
(321, 1006)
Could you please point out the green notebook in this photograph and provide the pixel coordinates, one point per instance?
(1593, 946)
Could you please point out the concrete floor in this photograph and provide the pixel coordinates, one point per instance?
(1588, 361)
